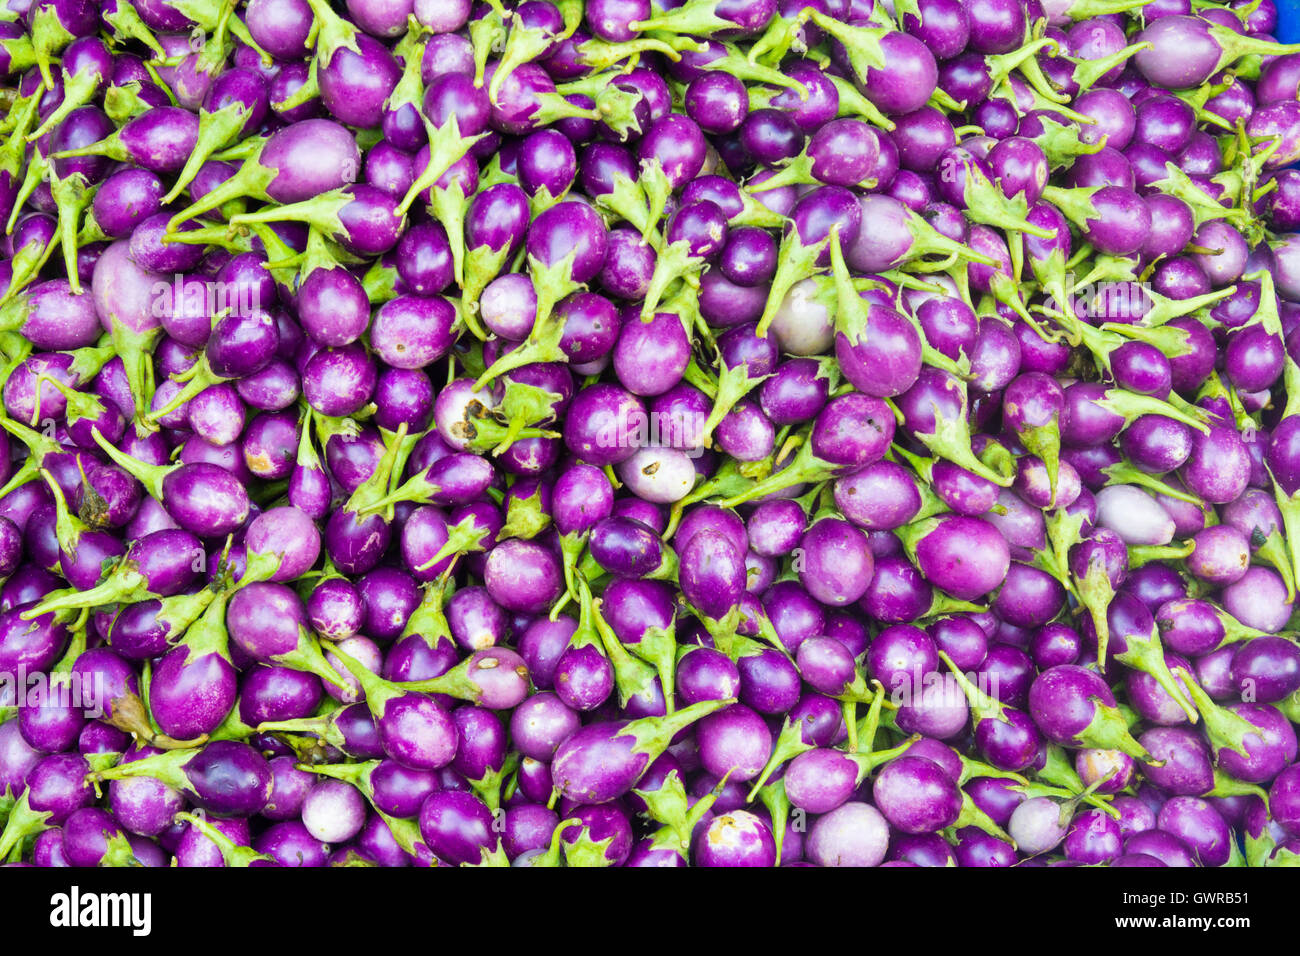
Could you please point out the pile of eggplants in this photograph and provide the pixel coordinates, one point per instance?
(641, 433)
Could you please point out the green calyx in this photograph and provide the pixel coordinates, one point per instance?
(372, 495)
(673, 262)
(22, 56)
(457, 682)
(487, 35)
(78, 90)
(377, 690)
(572, 546)
(1125, 473)
(1228, 786)
(652, 735)
(1108, 730)
(250, 180)
(628, 201)
(975, 768)
(731, 385)
(986, 203)
(357, 774)
(307, 656)
(123, 585)
(23, 822)
(330, 32)
(658, 190)
(862, 733)
(488, 789)
(1143, 554)
(1058, 770)
(72, 196)
(1273, 552)
(123, 103)
(196, 379)
(658, 648)
(232, 728)
(167, 767)
(68, 528)
(521, 412)
(1204, 206)
(82, 406)
(1225, 729)
(1045, 442)
(633, 676)
(861, 43)
(789, 744)
(1237, 45)
(851, 312)
(553, 854)
(446, 147)
(49, 36)
(428, 619)
(695, 18)
(982, 706)
(804, 468)
(795, 262)
(726, 635)
(601, 55)
(869, 760)
(409, 90)
(1089, 9)
(951, 440)
(482, 265)
(216, 130)
(232, 853)
(1145, 653)
(321, 212)
(1061, 144)
(13, 128)
(929, 241)
(464, 537)
(380, 282)
(124, 24)
(853, 103)
(1095, 592)
(676, 814)
(26, 265)
(150, 476)
(552, 283)
(323, 727)
(1025, 59)
(1088, 72)
(972, 816)
(38, 445)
